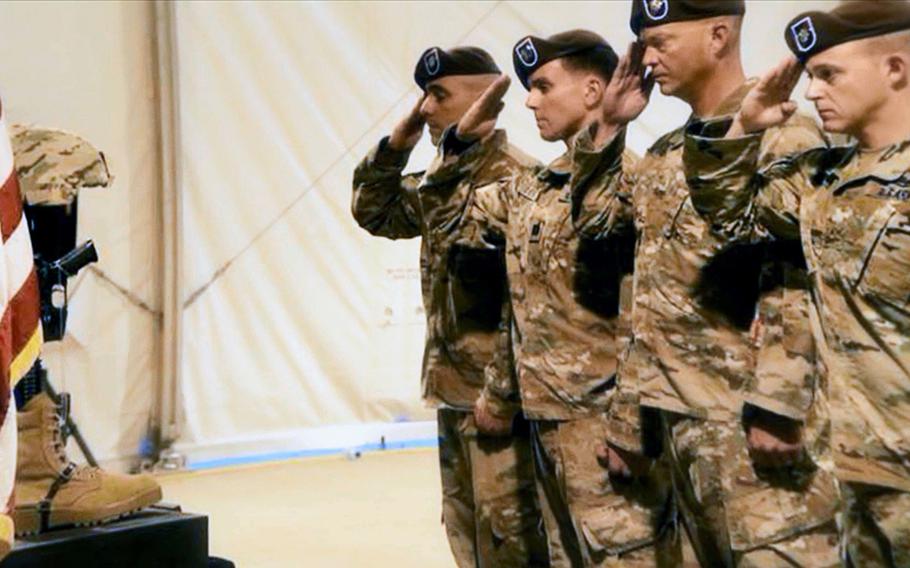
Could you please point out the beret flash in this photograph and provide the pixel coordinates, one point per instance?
(650, 13)
(813, 32)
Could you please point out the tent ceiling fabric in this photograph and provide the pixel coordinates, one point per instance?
(294, 318)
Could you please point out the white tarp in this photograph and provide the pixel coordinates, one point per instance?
(295, 319)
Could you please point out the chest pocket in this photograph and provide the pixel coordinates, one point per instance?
(561, 245)
(883, 273)
(549, 232)
(476, 288)
(531, 226)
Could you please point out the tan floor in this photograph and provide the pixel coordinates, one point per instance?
(380, 510)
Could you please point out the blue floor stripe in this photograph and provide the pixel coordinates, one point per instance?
(279, 456)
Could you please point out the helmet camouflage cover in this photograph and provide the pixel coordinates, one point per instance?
(53, 165)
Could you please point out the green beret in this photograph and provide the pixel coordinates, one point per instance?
(532, 52)
(813, 32)
(650, 13)
(436, 63)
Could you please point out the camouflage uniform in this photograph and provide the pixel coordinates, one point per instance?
(489, 505)
(694, 358)
(565, 294)
(850, 209)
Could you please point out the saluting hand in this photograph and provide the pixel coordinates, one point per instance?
(480, 119)
(628, 92)
(768, 104)
(408, 131)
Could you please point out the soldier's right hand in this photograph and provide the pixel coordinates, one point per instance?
(480, 119)
(628, 92)
(622, 463)
(774, 441)
(487, 423)
(768, 104)
(408, 131)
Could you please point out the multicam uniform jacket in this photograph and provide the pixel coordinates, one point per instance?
(463, 289)
(701, 337)
(565, 290)
(850, 209)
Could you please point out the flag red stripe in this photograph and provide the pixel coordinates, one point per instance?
(26, 313)
(10, 206)
(6, 357)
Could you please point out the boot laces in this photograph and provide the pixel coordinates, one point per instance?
(82, 471)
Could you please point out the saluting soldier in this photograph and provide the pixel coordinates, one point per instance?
(849, 206)
(489, 501)
(730, 391)
(566, 295)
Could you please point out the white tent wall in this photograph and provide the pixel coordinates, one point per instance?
(300, 330)
(296, 319)
(89, 68)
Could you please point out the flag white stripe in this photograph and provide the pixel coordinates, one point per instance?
(19, 262)
(6, 150)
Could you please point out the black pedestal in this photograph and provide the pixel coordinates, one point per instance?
(157, 537)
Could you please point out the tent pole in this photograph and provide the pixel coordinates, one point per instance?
(168, 411)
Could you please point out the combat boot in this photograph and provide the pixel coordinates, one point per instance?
(6, 535)
(52, 491)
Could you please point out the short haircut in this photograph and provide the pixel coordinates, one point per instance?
(600, 60)
(889, 43)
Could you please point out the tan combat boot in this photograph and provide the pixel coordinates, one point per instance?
(6, 535)
(51, 491)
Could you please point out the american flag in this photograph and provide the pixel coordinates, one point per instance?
(20, 324)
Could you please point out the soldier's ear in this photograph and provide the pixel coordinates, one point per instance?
(594, 91)
(897, 67)
(723, 37)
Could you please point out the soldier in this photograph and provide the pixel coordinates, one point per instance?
(850, 208)
(731, 408)
(565, 294)
(489, 504)
(51, 490)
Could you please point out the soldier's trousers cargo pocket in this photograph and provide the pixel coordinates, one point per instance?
(772, 514)
(615, 530)
(726, 494)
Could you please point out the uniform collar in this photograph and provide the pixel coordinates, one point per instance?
(561, 166)
(560, 169)
(731, 104)
(487, 151)
(497, 140)
(886, 153)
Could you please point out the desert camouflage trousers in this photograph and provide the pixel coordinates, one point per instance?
(489, 501)
(591, 520)
(876, 526)
(735, 515)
